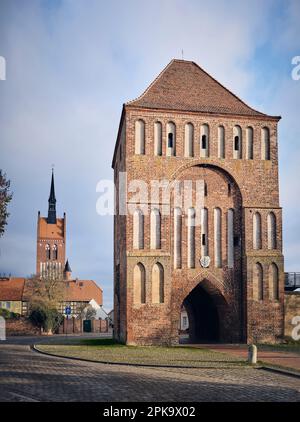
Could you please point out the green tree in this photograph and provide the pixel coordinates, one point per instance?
(49, 319)
(5, 198)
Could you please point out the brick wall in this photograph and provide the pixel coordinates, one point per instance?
(20, 327)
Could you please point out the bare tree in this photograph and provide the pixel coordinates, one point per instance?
(49, 291)
(5, 198)
(89, 312)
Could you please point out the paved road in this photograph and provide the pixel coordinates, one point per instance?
(26, 375)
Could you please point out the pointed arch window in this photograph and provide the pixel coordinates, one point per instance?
(55, 252)
(221, 142)
(204, 232)
(157, 138)
(265, 144)
(230, 238)
(139, 284)
(48, 251)
(258, 282)
(257, 240)
(217, 237)
(271, 223)
(157, 283)
(204, 141)
(274, 282)
(138, 229)
(191, 238)
(189, 140)
(237, 142)
(140, 137)
(171, 139)
(249, 142)
(155, 222)
(177, 237)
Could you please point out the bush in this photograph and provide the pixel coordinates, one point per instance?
(5, 313)
(49, 319)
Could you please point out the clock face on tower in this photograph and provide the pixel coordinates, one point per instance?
(205, 261)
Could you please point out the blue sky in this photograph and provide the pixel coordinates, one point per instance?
(71, 65)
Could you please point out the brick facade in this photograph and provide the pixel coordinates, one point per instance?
(245, 186)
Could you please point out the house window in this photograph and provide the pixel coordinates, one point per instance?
(203, 140)
(170, 140)
(203, 239)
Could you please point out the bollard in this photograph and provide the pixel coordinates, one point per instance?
(252, 354)
(2, 329)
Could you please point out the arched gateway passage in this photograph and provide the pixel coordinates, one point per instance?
(208, 314)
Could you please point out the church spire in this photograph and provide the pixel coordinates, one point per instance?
(52, 203)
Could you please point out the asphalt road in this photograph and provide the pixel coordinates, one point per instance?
(27, 376)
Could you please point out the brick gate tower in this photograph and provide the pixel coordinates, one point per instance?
(51, 240)
(219, 253)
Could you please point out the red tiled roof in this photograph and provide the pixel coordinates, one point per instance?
(11, 289)
(185, 86)
(83, 291)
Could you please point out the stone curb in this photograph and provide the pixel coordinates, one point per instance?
(281, 370)
(145, 365)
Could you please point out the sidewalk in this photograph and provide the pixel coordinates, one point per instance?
(287, 360)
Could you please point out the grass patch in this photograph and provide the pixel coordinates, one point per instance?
(100, 342)
(109, 351)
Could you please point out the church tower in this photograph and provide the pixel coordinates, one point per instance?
(51, 240)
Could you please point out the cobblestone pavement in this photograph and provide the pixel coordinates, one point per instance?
(26, 375)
